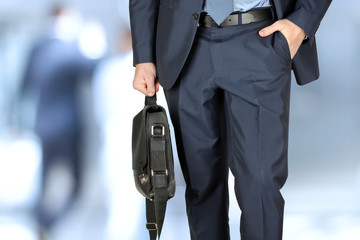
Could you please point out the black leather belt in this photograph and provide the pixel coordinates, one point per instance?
(237, 18)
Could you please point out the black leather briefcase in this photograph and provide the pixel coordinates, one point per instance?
(153, 163)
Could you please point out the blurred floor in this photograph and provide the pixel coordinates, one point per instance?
(323, 189)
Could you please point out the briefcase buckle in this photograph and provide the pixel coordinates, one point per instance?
(151, 226)
(157, 130)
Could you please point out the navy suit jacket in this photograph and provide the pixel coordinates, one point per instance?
(163, 32)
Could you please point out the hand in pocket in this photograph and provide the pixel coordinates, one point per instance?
(293, 33)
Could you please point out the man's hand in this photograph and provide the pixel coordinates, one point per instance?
(293, 34)
(145, 79)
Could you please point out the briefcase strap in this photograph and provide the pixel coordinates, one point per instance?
(150, 100)
(155, 213)
(156, 208)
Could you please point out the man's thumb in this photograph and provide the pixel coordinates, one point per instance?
(150, 87)
(267, 31)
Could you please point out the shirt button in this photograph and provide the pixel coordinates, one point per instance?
(195, 16)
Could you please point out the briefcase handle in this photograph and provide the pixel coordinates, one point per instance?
(150, 100)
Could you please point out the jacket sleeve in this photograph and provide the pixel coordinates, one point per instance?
(143, 22)
(308, 15)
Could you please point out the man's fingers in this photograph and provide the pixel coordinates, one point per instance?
(157, 86)
(276, 26)
(139, 86)
(150, 86)
(145, 86)
(145, 78)
(267, 31)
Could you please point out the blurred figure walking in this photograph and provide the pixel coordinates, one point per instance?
(55, 68)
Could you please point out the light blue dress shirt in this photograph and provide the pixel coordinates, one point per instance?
(245, 5)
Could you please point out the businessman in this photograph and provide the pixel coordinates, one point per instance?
(226, 67)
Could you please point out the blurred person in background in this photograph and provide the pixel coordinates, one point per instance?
(54, 70)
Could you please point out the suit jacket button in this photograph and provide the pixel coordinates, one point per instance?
(195, 16)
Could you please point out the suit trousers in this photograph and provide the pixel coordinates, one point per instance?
(230, 110)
